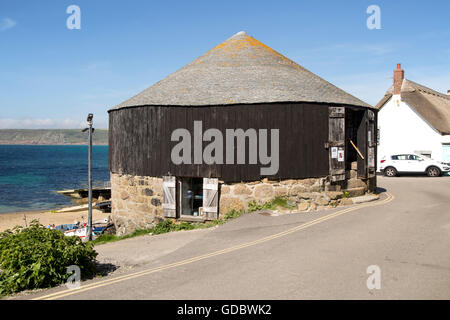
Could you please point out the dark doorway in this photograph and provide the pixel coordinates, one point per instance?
(353, 120)
(191, 196)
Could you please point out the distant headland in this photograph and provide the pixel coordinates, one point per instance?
(51, 137)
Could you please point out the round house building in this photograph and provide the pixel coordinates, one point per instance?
(241, 123)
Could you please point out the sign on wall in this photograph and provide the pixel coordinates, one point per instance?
(340, 156)
(334, 152)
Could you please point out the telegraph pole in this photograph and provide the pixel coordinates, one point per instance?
(90, 131)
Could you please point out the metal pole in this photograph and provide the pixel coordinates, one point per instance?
(89, 227)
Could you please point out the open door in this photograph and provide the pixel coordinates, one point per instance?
(367, 144)
(363, 145)
(336, 142)
(210, 198)
(169, 197)
(371, 144)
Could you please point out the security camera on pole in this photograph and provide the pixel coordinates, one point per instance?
(90, 130)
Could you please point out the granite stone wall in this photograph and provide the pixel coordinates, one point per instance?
(137, 201)
(238, 196)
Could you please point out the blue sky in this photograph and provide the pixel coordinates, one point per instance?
(52, 77)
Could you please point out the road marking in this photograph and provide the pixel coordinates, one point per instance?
(305, 225)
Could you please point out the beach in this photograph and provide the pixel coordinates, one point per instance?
(10, 220)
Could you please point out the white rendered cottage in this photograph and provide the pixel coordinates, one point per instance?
(413, 119)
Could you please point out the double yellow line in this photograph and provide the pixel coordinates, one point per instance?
(107, 282)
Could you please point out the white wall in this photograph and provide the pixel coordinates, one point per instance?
(403, 130)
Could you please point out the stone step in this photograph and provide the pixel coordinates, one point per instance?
(355, 183)
(356, 192)
(334, 195)
(365, 198)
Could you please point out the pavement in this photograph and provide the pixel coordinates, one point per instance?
(405, 235)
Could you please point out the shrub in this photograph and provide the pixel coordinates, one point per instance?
(37, 257)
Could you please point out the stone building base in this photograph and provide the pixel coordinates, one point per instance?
(137, 201)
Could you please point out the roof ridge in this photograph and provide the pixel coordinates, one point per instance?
(428, 90)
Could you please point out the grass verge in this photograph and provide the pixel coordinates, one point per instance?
(171, 226)
(167, 226)
(271, 205)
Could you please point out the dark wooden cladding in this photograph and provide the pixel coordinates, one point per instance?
(140, 144)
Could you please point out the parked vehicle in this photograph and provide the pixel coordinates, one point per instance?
(393, 165)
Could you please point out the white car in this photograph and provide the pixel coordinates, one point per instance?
(392, 165)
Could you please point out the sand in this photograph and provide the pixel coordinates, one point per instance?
(10, 220)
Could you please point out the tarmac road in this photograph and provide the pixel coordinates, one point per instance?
(323, 255)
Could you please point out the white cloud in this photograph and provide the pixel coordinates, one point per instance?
(41, 124)
(7, 23)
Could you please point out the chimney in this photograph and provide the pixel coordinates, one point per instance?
(399, 75)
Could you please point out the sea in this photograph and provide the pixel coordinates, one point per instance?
(30, 175)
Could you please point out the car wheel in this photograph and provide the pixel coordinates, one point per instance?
(433, 172)
(390, 172)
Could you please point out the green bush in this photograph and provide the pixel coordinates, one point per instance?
(37, 257)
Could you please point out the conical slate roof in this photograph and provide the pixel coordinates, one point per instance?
(241, 70)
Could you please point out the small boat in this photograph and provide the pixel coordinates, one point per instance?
(81, 232)
(65, 227)
(97, 230)
(105, 192)
(82, 207)
(104, 206)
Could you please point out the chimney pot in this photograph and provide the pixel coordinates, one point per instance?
(399, 75)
